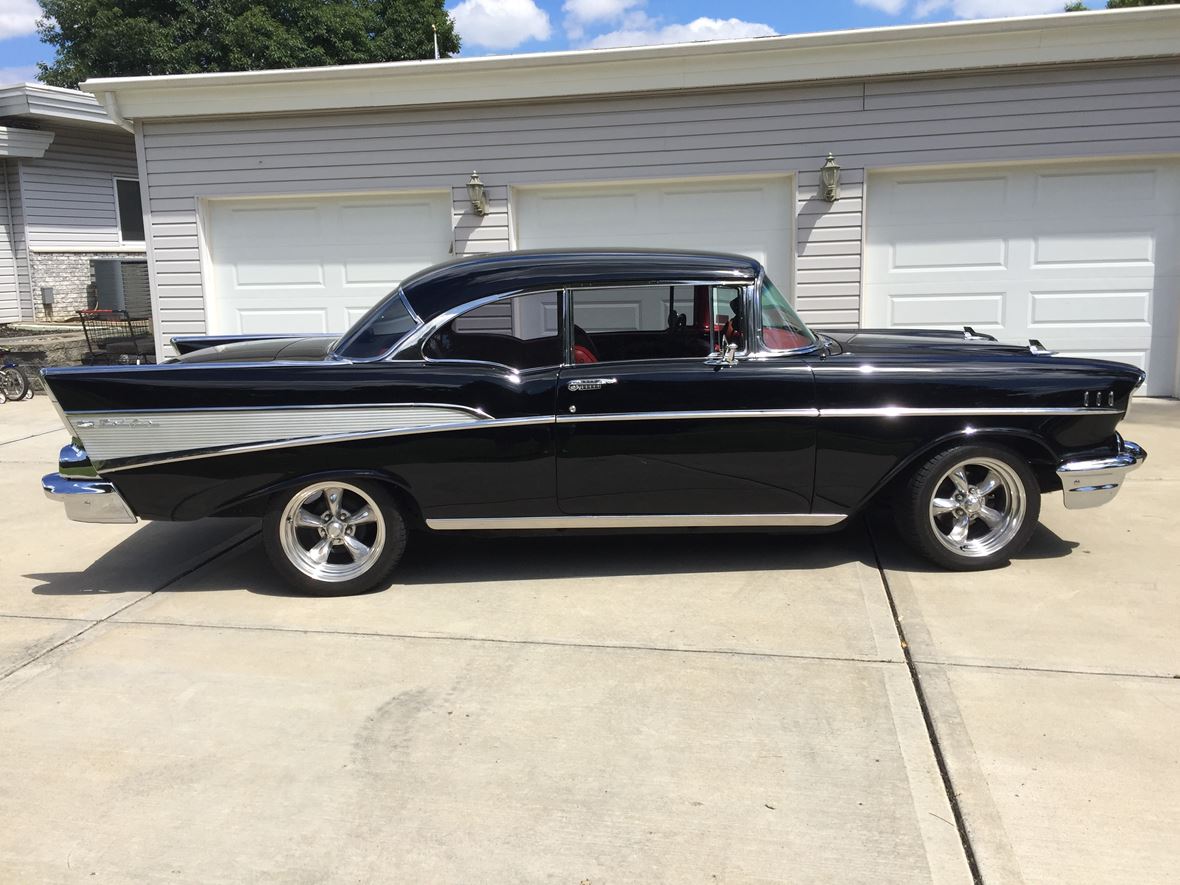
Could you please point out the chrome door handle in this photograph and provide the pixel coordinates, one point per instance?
(591, 383)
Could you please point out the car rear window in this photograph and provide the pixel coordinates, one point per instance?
(374, 334)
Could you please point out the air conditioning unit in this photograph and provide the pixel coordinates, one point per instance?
(122, 284)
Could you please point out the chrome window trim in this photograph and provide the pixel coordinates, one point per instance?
(510, 369)
(742, 283)
(765, 351)
(417, 337)
(626, 521)
(400, 295)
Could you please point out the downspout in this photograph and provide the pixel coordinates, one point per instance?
(8, 233)
(111, 105)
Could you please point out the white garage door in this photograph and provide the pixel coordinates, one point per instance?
(744, 215)
(1083, 258)
(317, 264)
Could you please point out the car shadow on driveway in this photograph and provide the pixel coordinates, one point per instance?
(148, 560)
(155, 555)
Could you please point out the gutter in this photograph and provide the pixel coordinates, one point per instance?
(1070, 38)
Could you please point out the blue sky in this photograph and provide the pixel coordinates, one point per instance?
(497, 26)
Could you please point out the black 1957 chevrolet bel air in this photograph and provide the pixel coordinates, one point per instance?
(590, 390)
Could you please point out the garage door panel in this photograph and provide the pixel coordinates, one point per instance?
(1103, 308)
(284, 224)
(273, 268)
(746, 216)
(317, 264)
(983, 311)
(1082, 258)
(1094, 249)
(262, 321)
(1070, 192)
(941, 198)
(949, 253)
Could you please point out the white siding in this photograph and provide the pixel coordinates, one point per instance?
(69, 193)
(1032, 114)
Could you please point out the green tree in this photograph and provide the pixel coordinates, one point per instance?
(123, 38)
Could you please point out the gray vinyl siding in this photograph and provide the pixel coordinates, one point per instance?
(69, 193)
(1026, 115)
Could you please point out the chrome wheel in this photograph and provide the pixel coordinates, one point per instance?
(332, 531)
(978, 507)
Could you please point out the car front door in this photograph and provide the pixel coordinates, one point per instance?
(653, 419)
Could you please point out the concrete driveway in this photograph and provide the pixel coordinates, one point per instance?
(727, 708)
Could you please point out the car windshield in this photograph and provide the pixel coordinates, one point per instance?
(385, 324)
(781, 327)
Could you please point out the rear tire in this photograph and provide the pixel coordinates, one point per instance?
(335, 538)
(971, 507)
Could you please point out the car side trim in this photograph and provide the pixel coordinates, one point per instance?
(132, 439)
(910, 412)
(646, 521)
(689, 416)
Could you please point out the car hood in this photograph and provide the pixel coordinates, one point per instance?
(263, 350)
(909, 341)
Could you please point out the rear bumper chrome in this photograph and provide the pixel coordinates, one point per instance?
(1094, 482)
(87, 499)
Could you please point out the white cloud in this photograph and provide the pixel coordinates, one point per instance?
(580, 13)
(700, 29)
(498, 24)
(21, 74)
(18, 17)
(587, 11)
(988, 8)
(889, 7)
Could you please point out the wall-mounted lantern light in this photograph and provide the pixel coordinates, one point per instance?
(829, 180)
(477, 194)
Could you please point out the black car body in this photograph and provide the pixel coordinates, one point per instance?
(591, 389)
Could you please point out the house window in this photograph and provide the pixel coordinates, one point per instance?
(130, 210)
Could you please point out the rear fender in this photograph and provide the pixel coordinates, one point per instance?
(255, 503)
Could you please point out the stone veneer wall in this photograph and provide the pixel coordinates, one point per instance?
(70, 275)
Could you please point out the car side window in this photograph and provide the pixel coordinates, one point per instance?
(521, 333)
(611, 324)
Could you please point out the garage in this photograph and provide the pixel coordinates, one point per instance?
(749, 216)
(1082, 257)
(316, 264)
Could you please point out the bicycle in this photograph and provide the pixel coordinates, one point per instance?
(14, 383)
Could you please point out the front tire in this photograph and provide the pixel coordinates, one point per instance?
(14, 383)
(334, 538)
(971, 507)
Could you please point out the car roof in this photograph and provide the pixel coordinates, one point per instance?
(446, 286)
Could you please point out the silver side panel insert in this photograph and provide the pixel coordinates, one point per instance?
(704, 520)
(108, 436)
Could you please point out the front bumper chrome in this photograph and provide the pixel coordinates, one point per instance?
(87, 499)
(1096, 481)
